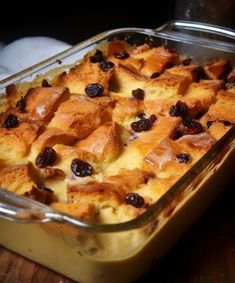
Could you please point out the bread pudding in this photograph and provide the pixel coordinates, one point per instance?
(107, 138)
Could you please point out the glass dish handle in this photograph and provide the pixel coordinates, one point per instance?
(196, 26)
(21, 209)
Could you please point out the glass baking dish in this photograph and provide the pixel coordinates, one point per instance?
(88, 252)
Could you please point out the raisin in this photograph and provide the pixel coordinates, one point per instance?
(141, 116)
(138, 93)
(81, 168)
(152, 118)
(183, 157)
(134, 199)
(193, 125)
(179, 110)
(97, 57)
(187, 127)
(231, 81)
(46, 157)
(121, 55)
(106, 65)
(41, 194)
(226, 123)
(155, 75)
(143, 124)
(94, 90)
(176, 135)
(169, 65)
(209, 123)
(185, 62)
(11, 121)
(201, 74)
(45, 83)
(21, 104)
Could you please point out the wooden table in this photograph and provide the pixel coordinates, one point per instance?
(206, 253)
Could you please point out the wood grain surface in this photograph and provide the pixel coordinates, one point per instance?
(205, 254)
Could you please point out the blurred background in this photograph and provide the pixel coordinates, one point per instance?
(74, 21)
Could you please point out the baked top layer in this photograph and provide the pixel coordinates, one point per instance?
(105, 139)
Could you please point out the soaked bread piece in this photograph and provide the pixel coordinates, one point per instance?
(19, 178)
(223, 108)
(104, 142)
(16, 137)
(85, 73)
(80, 117)
(218, 70)
(42, 102)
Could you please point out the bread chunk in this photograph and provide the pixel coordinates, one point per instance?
(167, 85)
(80, 117)
(81, 211)
(42, 102)
(156, 59)
(83, 74)
(200, 96)
(15, 142)
(100, 194)
(18, 178)
(130, 180)
(51, 137)
(104, 142)
(218, 70)
(223, 109)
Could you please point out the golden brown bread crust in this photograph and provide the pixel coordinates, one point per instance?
(164, 160)
(42, 102)
(52, 136)
(115, 46)
(149, 139)
(101, 194)
(18, 178)
(118, 152)
(127, 108)
(104, 142)
(198, 97)
(158, 186)
(191, 71)
(126, 79)
(223, 109)
(85, 73)
(80, 117)
(167, 85)
(130, 180)
(15, 142)
(65, 155)
(79, 210)
(218, 70)
(156, 59)
(218, 129)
